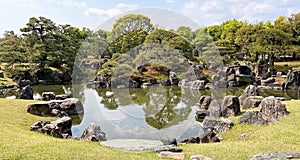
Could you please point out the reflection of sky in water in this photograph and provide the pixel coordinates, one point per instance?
(129, 121)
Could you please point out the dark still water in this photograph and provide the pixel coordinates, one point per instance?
(151, 113)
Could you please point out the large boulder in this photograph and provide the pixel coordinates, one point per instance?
(70, 106)
(198, 85)
(252, 101)
(255, 118)
(212, 128)
(250, 90)
(204, 102)
(214, 109)
(270, 111)
(93, 132)
(210, 136)
(230, 106)
(41, 108)
(272, 107)
(195, 73)
(292, 80)
(27, 93)
(60, 128)
(219, 125)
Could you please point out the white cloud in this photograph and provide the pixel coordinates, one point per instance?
(68, 3)
(215, 11)
(190, 5)
(121, 7)
(170, 1)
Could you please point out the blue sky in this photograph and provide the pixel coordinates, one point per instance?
(90, 13)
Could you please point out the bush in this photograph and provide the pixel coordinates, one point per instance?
(280, 68)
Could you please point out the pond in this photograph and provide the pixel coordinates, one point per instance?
(148, 113)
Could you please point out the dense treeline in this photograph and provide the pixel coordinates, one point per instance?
(46, 44)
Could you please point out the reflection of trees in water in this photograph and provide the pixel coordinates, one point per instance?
(108, 101)
(163, 106)
(279, 93)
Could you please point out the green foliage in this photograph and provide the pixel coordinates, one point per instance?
(127, 42)
(123, 69)
(50, 44)
(281, 68)
(130, 23)
(186, 32)
(172, 40)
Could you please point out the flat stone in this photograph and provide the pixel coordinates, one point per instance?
(133, 144)
(276, 156)
(168, 154)
(199, 157)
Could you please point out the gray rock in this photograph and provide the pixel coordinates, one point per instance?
(272, 107)
(169, 141)
(242, 136)
(292, 80)
(27, 93)
(214, 109)
(40, 109)
(276, 156)
(47, 96)
(256, 118)
(248, 91)
(171, 148)
(230, 106)
(62, 97)
(168, 154)
(60, 128)
(199, 157)
(71, 106)
(251, 102)
(209, 123)
(204, 102)
(210, 136)
(93, 132)
(198, 85)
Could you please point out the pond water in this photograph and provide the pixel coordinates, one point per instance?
(151, 113)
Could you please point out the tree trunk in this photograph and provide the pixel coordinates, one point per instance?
(271, 59)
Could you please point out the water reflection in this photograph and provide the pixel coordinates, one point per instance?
(152, 113)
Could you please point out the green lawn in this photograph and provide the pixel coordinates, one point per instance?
(18, 142)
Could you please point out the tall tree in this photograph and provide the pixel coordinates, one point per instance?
(39, 34)
(130, 23)
(186, 32)
(12, 49)
(173, 40)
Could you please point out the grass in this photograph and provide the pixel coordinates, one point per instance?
(283, 136)
(18, 142)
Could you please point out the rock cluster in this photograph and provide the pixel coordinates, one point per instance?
(70, 106)
(270, 110)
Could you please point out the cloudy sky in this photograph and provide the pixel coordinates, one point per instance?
(90, 13)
